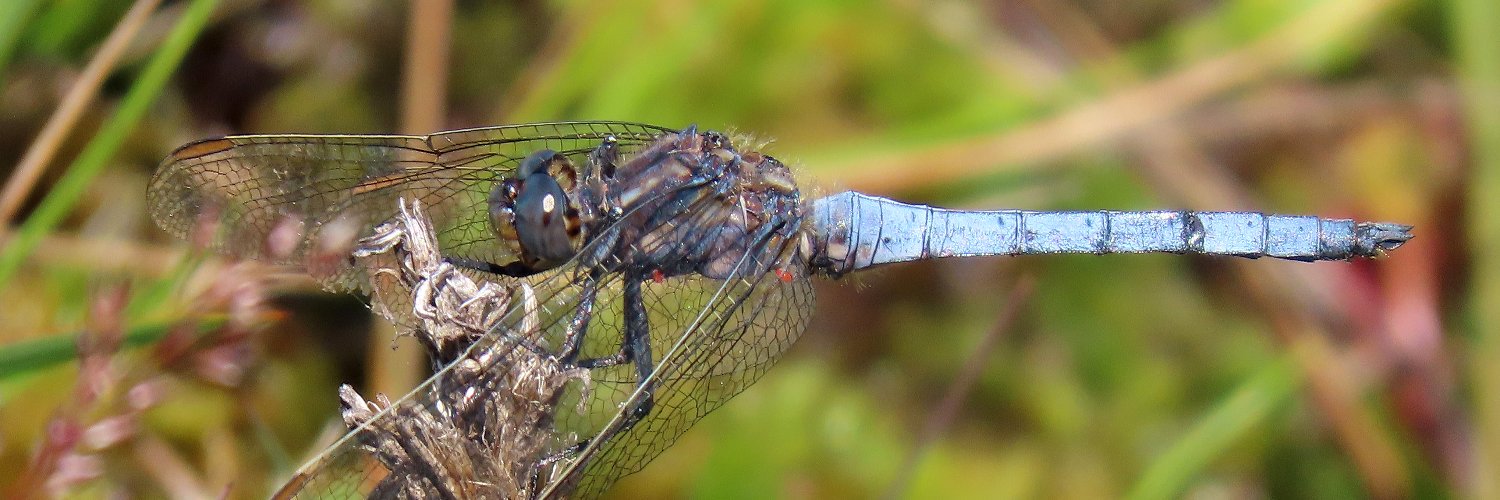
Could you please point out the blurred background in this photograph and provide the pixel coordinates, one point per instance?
(131, 366)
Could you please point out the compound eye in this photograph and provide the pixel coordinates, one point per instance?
(536, 162)
(502, 202)
(562, 171)
(545, 223)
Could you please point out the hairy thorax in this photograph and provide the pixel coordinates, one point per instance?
(688, 203)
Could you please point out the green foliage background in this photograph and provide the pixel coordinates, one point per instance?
(1144, 376)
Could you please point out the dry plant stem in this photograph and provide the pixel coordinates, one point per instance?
(482, 427)
(947, 410)
(1116, 114)
(106, 255)
(79, 97)
(425, 77)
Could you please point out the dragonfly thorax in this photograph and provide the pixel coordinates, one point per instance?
(689, 203)
(696, 205)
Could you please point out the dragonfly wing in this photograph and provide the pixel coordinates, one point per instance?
(710, 339)
(303, 200)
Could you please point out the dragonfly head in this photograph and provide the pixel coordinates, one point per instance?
(533, 213)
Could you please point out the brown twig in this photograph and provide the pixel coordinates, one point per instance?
(1111, 116)
(425, 77)
(106, 255)
(562, 41)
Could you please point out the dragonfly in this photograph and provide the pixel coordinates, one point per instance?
(671, 266)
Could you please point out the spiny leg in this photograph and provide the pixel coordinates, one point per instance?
(579, 325)
(635, 348)
(638, 340)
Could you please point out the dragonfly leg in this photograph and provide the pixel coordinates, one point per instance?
(638, 347)
(634, 348)
(618, 358)
(514, 269)
(573, 336)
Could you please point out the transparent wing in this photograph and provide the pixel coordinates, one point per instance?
(710, 339)
(303, 200)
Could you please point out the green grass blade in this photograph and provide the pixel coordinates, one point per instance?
(1250, 405)
(21, 358)
(111, 135)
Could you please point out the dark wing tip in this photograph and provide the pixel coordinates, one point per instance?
(200, 148)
